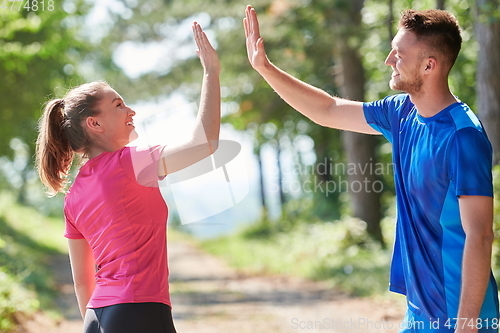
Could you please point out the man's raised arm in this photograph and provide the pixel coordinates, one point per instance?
(312, 102)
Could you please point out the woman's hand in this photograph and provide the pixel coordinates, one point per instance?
(206, 52)
(205, 137)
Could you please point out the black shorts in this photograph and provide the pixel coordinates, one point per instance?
(130, 318)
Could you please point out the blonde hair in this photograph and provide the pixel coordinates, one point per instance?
(61, 133)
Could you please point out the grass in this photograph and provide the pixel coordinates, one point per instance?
(27, 239)
(338, 252)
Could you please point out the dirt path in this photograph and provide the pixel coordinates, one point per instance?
(209, 297)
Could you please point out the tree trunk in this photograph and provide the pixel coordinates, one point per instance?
(22, 194)
(360, 148)
(280, 178)
(487, 29)
(390, 20)
(365, 189)
(263, 214)
(440, 4)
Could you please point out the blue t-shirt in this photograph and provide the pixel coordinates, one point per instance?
(435, 160)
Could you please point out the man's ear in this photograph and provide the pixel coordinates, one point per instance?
(431, 65)
(93, 125)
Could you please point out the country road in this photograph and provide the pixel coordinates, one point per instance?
(210, 297)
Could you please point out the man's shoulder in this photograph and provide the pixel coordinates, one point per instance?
(399, 98)
(463, 117)
(392, 102)
(397, 102)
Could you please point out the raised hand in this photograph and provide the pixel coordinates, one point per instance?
(255, 44)
(208, 56)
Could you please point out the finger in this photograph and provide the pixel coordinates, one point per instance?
(198, 35)
(260, 44)
(248, 20)
(247, 11)
(204, 45)
(245, 27)
(254, 23)
(197, 38)
(195, 32)
(204, 42)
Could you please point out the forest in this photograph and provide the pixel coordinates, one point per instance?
(339, 46)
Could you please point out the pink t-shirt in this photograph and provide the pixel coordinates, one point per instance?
(124, 222)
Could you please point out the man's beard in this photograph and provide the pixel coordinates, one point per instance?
(411, 86)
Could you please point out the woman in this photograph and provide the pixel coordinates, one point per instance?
(115, 215)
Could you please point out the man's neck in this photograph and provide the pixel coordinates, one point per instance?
(431, 102)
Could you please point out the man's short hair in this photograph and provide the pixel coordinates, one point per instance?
(438, 29)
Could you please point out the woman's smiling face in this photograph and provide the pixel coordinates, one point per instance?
(115, 120)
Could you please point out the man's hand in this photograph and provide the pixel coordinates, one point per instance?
(255, 44)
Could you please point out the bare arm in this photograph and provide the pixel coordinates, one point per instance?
(312, 102)
(83, 270)
(477, 220)
(204, 140)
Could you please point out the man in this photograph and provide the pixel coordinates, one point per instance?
(443, 181)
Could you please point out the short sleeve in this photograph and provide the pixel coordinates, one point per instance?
(471, 161)
(141, 164)
(381, 114)
(70, 231)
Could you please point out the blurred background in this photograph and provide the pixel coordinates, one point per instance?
(320, 202)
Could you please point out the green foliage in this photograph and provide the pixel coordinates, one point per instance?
(26, 240)
(339, 252)
(14, 298)
(35, 59)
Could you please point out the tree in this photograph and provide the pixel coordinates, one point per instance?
(36, 63)
(487, 30)
(299, 38)
(360, 148)
(321, 42)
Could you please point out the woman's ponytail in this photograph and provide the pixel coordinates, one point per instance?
(54, 154)
(61, 133)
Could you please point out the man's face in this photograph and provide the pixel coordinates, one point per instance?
(407, 63)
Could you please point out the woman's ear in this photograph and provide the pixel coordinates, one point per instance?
(93, 125)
